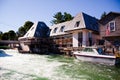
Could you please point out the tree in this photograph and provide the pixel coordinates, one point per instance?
(5, 36)
(103, 15)
(23, 29)
(1, 33)
(67, 17)
(27, 25)
(12, 35)
(59, 17)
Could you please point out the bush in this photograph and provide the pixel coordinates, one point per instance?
(4, 47)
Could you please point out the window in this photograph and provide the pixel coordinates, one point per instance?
(80, 34)
(112, 26)
(62, 28)
(77, 23)
(80, 38)
(55, 29)
(88, 50)
(90, 34)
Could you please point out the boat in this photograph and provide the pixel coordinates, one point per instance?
(92, 54)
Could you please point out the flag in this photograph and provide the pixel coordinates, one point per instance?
(107, 32)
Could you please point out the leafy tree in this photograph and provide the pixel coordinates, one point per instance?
(23, 29)
(67, 16)
(103, 15)
(5, 36)
(59, 17)
(1, 33)
(12, 35)
(27, 25)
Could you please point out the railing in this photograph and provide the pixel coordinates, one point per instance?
(9, 42)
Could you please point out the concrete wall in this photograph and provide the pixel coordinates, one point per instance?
(24, 47)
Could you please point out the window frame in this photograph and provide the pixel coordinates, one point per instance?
(62, 28)
(55, 30)
(77, 24)
(112, 26)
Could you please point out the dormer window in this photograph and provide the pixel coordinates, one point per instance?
(55, 30)
(77, 24)
(112, 26)
(62, 28)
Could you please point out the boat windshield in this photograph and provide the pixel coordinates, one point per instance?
(88, 50)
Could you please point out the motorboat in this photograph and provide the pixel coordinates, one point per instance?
(93, 54)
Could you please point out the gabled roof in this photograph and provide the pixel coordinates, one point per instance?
(110, 16)
(59, 26)
(80, 21)
(86, 22)
(90, 22)
(77, 18)
(39, 29)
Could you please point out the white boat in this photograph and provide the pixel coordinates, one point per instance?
(91, 54)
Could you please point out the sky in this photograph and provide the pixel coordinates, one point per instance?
(14, 13)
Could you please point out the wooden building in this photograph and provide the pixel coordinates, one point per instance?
(36, 40)
(81, 31)
(110, 28)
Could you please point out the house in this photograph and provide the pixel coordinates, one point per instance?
(36, 39)
(110, 28)
(81, 31)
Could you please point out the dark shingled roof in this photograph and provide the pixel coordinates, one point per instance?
(85, 22)
(39, 30)
(110, 15)
(91, 22)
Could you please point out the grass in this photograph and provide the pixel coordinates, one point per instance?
(78, 70)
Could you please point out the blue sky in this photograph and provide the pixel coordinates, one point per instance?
(14, 13)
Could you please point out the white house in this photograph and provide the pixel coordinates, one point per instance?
(82, 30)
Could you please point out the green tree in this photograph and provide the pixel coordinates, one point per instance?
(12, 35)
(5, 36)
(59, 17)
(23, 29)
(27, 25)
(1, 33)
(103, 14)
(67, 16)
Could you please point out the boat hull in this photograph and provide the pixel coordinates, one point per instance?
(96, 58)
